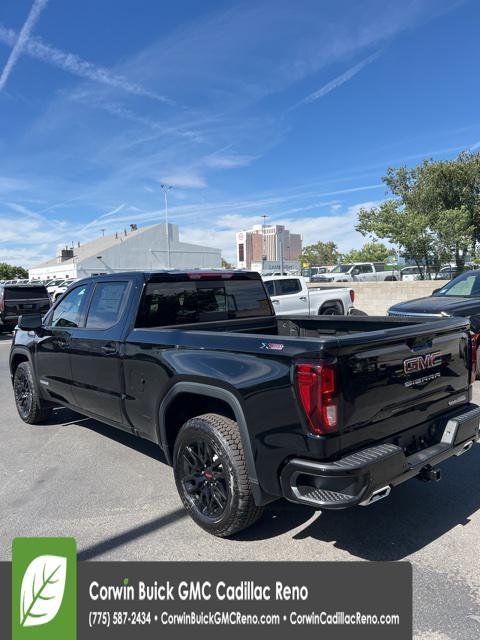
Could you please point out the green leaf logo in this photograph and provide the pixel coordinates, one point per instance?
(43, 586)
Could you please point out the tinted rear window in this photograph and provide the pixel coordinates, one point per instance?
(170, 303)
(25, 293)
(106, 305)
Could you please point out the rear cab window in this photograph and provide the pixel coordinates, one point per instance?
(107, 305)
(288, 287)
(198, 299)
(25, 293)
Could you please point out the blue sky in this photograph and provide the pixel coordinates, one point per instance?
(289, 109)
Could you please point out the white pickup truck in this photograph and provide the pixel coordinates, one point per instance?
(358, 272)
(291, 296)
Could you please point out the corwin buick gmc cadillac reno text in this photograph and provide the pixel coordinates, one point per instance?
(328, 412)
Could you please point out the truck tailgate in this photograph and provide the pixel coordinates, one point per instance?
(400, 377)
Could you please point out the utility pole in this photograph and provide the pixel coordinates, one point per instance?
(264, 243)
(166, 188)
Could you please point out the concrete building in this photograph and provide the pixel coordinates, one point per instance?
(144, 249)
(267, 243)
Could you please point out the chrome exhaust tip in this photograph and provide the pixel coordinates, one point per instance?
(466, 447)
(377, 495)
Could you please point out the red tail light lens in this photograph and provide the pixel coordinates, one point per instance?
(316, 385)
(474, 338)
(352, 295)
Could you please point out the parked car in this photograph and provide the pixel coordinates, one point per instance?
(358, 272)
(21, 299)
(459, 297)
(291, 296)
(249, 407)
(415, 273)
(53, 284)
(60, 289)
(310, 272)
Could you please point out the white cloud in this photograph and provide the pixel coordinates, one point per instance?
(219, 161)
(339, 227)
(339, 80)
(22, 40)
(184, 179)
(71, 63)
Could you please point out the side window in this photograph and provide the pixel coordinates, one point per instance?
(366, 268)
(70, 310)
(106, 306)
(269, 287)
(286, 287)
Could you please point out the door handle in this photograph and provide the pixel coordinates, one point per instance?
(303, 298)
(275, 301)
(109, 348)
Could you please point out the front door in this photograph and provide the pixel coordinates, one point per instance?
(53, 348)
(288, 298)
(96, 357)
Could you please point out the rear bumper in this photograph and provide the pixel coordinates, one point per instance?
(369, 474)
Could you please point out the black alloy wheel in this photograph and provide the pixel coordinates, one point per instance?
(204, 477)
(23, 393)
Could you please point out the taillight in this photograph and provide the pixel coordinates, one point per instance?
(352, 295)
(316, 385)
(2, 301)
(474, 337)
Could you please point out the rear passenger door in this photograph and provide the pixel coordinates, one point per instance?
(289, 298)
(95, 352)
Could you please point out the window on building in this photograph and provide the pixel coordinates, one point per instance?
(241, 252)
(107, 305)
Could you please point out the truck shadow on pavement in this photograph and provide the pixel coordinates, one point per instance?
(413, 516)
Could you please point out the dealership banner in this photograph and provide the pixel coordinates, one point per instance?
(46, 594)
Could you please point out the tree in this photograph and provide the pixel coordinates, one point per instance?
(434, 213)
(10, 272)
(226, 265)
(320, 253)
(370, 252)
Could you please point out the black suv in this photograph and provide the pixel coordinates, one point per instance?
(21, 299)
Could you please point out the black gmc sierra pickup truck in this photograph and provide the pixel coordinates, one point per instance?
(328, 412)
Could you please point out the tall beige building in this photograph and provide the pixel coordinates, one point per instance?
(267, 243)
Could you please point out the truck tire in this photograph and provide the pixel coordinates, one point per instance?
(211, 475)
(332, 309)
(31, 408)
(391, 279)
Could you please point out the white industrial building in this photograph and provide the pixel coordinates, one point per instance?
(135, 249)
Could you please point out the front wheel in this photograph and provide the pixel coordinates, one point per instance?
(31, 408)
(211, 475)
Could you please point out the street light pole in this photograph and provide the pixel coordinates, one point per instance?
(166, 188)
(264, 243)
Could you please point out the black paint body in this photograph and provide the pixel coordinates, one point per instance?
(132, 377)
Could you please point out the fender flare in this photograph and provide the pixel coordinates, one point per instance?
(337, 302)
(227, 396)
(20, 350)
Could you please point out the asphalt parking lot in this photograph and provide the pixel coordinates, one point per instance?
(116, 496)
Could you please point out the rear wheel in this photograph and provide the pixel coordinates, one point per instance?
(331, 310)
(31, 408)
(211, 475)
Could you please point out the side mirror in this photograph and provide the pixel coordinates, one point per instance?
(436, 290)
(30, 323)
